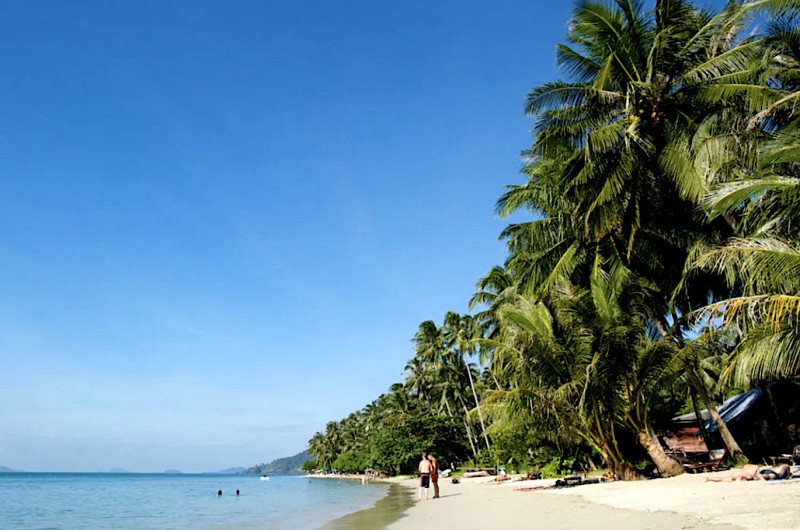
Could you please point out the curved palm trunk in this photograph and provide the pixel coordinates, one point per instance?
(496, 381)
(469, 435)
(469, 430)
(697, 414)
(618, 466)
(603, 440)
(666, 465)
(447, 405)
(736, 452)
(625, 471)
(477, 403)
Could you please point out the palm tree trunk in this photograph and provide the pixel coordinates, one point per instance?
(469, 435)
(496, 381)
(666, 465)
(625, 471)
(736, 452)
(617, 464)
(477, 403)
(469, 430)
(603, 440)
(737, 455)
(447, 404)
(699, 416)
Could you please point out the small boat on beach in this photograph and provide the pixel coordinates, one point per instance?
(264, 477)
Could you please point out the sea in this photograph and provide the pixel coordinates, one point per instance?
(94, 501)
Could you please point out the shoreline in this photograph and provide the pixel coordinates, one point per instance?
(365, 479)
(687, 502)
(680, 503)
(387, 510)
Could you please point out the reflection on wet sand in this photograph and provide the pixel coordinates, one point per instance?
(387, 510)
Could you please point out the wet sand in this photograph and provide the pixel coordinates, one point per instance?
(386, 511)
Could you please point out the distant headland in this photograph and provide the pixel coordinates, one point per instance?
(289, 464)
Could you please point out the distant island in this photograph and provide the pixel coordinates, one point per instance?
(172, 472)
(117, 470)
(232, 471)
(4, 469)
(289, 464)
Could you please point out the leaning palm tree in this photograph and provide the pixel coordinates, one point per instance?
(461, 333)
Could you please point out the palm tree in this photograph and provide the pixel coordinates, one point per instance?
(575, 359)
(421, 381)
(615, 170)
(492, 290)
(460, 334)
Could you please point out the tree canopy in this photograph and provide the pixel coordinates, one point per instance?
(659, 269)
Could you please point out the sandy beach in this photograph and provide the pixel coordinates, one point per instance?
(684, 502)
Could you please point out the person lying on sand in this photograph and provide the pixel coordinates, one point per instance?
(775, 473)
(751, 472)
(748, 472)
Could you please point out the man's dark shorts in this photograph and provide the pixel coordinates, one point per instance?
(425, 480)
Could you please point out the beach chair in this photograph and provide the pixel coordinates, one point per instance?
(713, 462)
(715, 458)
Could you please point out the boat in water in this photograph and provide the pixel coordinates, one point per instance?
(264, 477)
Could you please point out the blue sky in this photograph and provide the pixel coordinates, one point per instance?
(223, 221)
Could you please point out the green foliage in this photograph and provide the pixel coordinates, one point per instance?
(663, 187)
(309, 465)
(398, 448)
(351, 462)
(558, 467)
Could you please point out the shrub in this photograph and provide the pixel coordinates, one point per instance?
(558, 467)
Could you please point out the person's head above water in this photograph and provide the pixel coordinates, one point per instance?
(219, 493)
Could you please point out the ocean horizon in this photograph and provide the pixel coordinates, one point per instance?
(95, 501)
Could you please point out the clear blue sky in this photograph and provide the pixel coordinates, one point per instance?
(222, 222)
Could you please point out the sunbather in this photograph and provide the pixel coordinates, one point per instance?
(751, 472)
(775, 473)
(748, 472)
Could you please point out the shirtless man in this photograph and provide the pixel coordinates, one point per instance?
(425, 468)
(434, 475)
(779, 472)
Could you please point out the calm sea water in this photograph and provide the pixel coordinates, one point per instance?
(93, 501)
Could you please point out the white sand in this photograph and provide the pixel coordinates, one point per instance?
(684, 502)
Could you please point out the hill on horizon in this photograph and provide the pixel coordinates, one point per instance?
(231, 471)
(289, 464)
(4, 469)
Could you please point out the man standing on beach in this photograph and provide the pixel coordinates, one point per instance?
(424, 476)
(434, 475)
